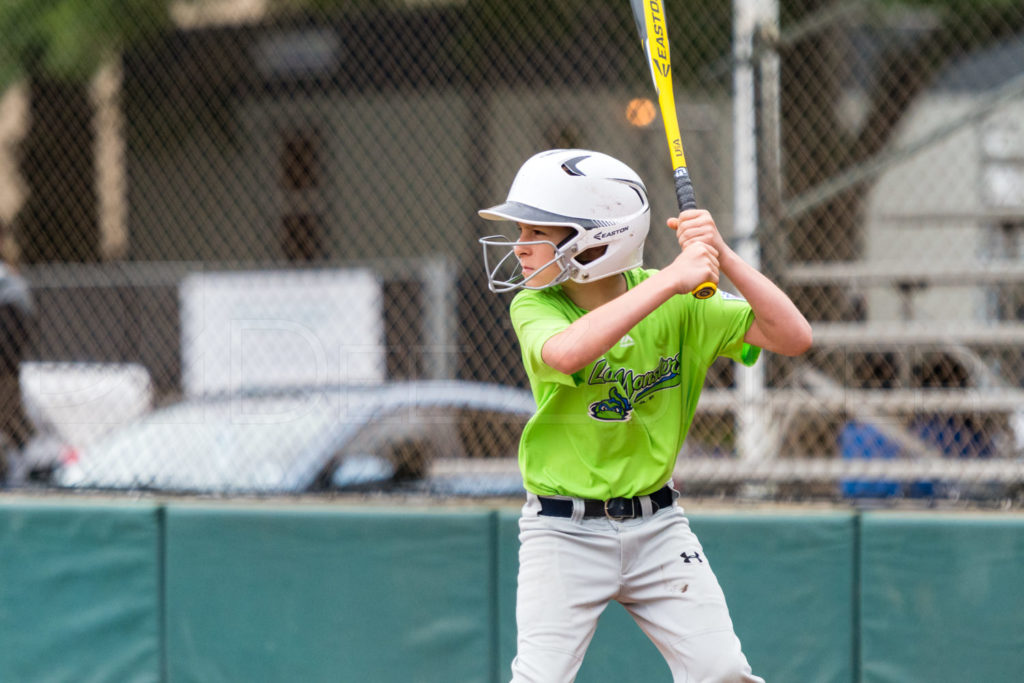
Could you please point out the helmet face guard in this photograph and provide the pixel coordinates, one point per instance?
(601, 199)
(506, 275)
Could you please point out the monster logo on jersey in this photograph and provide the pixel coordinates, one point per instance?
(630, 388)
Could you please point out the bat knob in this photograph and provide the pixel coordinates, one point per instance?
(705, 290)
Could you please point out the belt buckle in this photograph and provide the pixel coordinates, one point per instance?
(615, 509)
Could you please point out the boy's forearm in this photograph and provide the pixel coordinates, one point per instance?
(784, 327)
(592, 335)
(754, 286)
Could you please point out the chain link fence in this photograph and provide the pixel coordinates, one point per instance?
(248, 231)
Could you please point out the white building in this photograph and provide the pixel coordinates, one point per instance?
(944, 227)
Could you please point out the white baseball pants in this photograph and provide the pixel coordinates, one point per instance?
(569, 570)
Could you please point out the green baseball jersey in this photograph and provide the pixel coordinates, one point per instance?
(615, 427)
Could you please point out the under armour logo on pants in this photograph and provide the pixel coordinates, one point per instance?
(687, 558)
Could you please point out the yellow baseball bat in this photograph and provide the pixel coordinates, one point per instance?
(650, 21)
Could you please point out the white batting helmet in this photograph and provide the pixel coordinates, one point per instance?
(602, 199)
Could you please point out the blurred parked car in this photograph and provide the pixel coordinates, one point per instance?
(71, 404)
(320, 439)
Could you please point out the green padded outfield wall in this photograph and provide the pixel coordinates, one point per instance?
(329, 594)
(789, 581)
(79, 593)
(316, 592)
(942, 598)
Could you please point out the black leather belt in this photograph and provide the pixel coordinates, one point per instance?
(614, 508)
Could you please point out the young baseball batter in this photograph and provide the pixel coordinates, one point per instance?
(616, 357)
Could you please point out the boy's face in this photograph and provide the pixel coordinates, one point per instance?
(533, 257)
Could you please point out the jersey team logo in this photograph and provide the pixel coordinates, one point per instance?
(629, 389)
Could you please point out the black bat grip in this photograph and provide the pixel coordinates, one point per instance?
(687, 201)
(684, 191)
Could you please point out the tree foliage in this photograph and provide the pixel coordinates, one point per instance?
(67, 39)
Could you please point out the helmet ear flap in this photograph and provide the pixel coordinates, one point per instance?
(591, 254)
